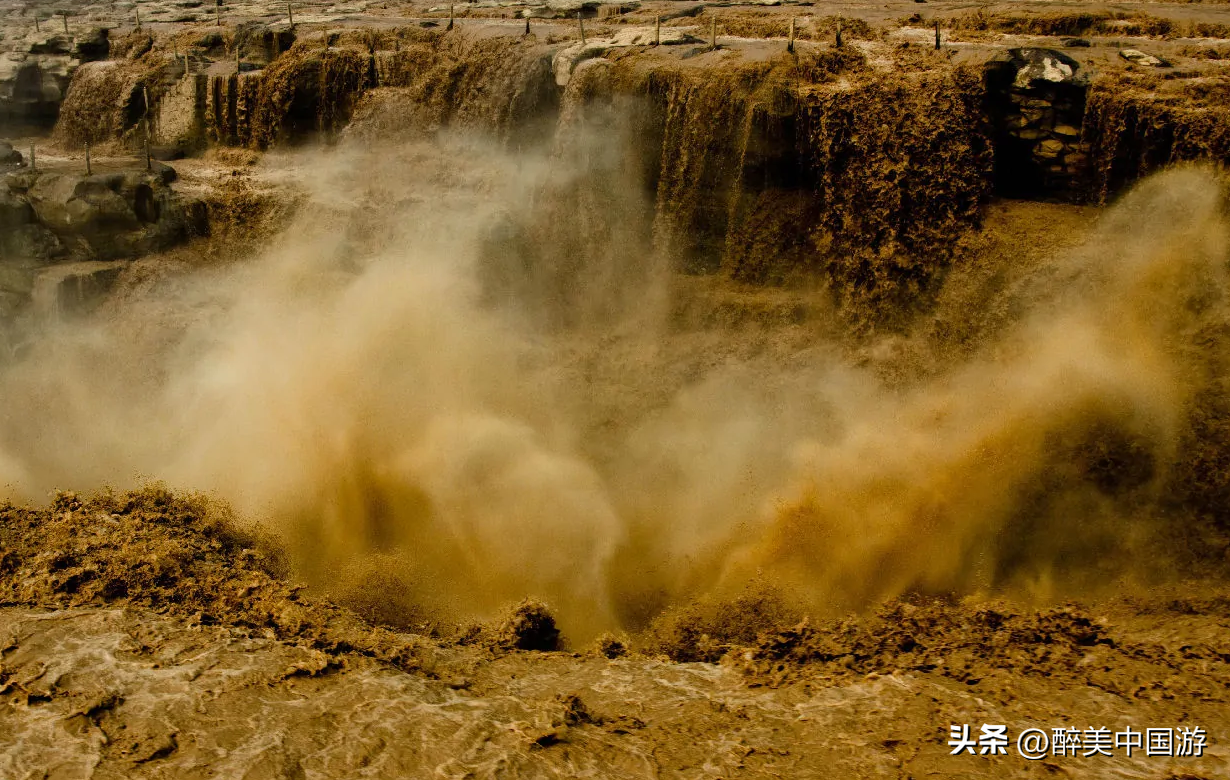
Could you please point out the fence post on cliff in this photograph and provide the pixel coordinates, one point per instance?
(290, 13)
(657, 30)
(937, 36)
(839, 41)
(581, 24)
(145, 97)
(790, 43)
(89, 169)
(450, 19)
(713, 33)
(527, 25)
(137, 11)
(36, 27)
(218, 12)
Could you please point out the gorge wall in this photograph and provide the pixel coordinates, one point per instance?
(860, 163)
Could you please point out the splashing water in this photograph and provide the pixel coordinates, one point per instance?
(405, 398)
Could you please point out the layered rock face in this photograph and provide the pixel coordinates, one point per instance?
(49, 218)
(58, 216)
(35, 71)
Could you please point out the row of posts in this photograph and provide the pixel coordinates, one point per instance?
(89, 163)
(657, 27)
(657, 31)
(62, 14)
(290, 13)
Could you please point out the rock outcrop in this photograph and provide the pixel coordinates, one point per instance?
(35, 71)
(51, 218)
(9, 157)
(1037, 103)
(100, 217)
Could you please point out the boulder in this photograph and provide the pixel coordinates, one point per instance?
(15, 211)
(1036, 67)
(80, 204)
(22, 238)
(49, 43)
(20, 181)
(30, 242)
(562, 9)
(568, 58)
(9, 157)
(1137, 57)
(118, 215)
(1049, 148)
(95, 45)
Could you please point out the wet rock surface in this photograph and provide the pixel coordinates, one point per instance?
(9, 156)
(1037, 100)
(142, 637)
(62, 233)
(35, 69)
(105, 216)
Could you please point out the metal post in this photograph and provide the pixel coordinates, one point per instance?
(937, 36)
(839, 41)
(290, 12)
(713, 34)
(218, 11)
(450, 19)
(64, 16)
(36, 27)
(138, 13)
(790, 45)
(527, 25)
